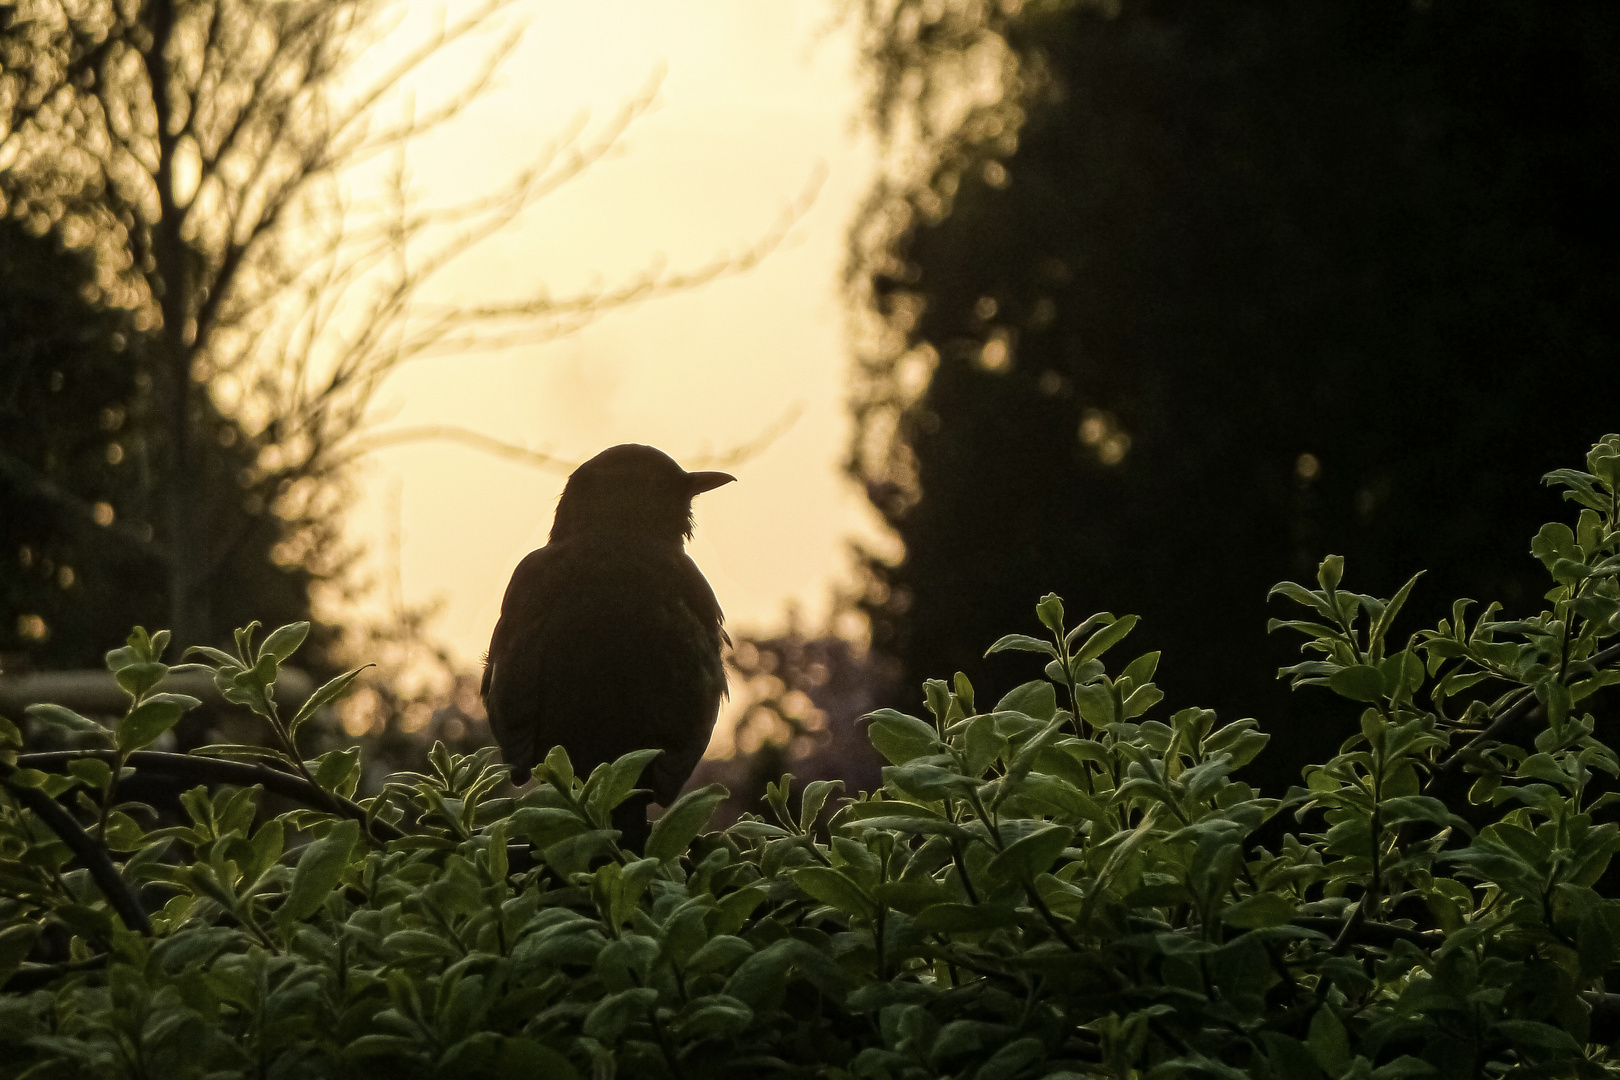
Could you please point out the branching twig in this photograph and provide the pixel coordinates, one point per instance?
(92, 855)
(542, 460)
(219, 771)
(1525, 707)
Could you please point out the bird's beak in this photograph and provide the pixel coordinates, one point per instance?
(699, 482)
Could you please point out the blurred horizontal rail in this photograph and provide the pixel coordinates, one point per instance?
(94, 691)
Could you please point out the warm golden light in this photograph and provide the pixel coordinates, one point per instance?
(757, 101)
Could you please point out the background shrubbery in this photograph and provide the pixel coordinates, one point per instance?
(1056, 884)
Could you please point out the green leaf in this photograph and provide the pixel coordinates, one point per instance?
(720, 953)
(1329, 572)
(66, 719)
(816, 794)
(320, 868)
(1063, 796)
(686, 817)
(1050, 612)
(93, 771)
(1032, 855)
(928, 782)
(525, 1059)
(1405, 808)
(573, 854)
(419, 943)
(736, 908)
(1012, 1059)
(1141, 700)
(983, 743)
(609, 1017)
(764, 974)
(137, 678)
(244, 637)
(285, 641)
(1555, 541)
(1141, 670)
(1037, 698)
(917, 826)
(1386, 618)
(339, 771)
(1262, 909)
(964, 690)
(1402, 673)
(613, 782)
(149, 720)
(832, 887)
(16, 941)
(267, 846)
(1105, 639)
(1304, 597)
(559, 770)
(713, 1016)
(900, 738)
(1328, 1042)
(328, 693)
(1021, 643)
(1362, 682)
(1096, 703)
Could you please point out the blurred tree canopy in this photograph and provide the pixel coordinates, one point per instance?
(178, 147)
(1167, 299)
(80, 456)
(212, 259)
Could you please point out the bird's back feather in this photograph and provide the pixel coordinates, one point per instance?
(605, 648)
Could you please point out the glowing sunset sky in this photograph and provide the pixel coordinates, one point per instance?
(758, 98)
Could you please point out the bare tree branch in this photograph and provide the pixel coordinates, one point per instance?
(207, 148)
(539, 459)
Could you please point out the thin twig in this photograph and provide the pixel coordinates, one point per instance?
(1524, 707)
(33, 976)
(1371, 933)
(541, 460)
(220, 771)
(92, 856)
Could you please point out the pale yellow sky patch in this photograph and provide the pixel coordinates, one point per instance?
(758, 98)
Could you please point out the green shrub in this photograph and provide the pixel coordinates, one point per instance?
(1058, 884)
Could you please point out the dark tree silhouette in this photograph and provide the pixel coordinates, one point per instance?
(79, 483)
(1196, 293)
(199, 149)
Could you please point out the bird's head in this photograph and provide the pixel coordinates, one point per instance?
(632, 490)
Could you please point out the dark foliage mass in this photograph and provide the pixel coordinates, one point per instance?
(82, 462)
(1069, 883)
(1214, 285)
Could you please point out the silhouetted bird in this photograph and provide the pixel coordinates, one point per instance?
(609, 636)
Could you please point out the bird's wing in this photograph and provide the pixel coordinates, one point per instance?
(514, 686)
(685, 724)
(605, 651)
